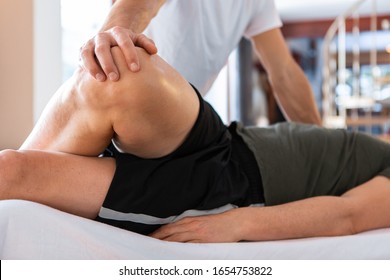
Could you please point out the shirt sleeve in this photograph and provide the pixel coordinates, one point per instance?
(264, 17)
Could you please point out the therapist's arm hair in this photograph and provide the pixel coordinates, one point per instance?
(126, 20)
(290, 86)
(132, 14)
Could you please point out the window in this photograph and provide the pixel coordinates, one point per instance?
(80, 21)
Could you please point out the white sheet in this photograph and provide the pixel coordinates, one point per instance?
(33, 231)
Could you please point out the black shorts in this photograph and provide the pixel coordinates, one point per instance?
(202, 176)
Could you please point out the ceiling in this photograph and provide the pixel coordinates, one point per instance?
(298, 10)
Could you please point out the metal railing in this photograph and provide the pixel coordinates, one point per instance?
(344, 105)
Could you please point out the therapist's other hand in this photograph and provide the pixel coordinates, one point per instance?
(96, 58)
(224, 227)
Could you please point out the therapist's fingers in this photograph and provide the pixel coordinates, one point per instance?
(127, 41)
(89, 62)
(124, 40)
(104, 57)
(96, 57)
(140, 40)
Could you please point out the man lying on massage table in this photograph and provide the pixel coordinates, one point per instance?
(169, 157)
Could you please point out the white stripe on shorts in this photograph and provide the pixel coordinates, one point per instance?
(110, 214)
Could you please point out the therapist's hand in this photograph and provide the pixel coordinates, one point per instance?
(223, 227)
(96, 58)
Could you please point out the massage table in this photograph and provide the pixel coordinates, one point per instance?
(34, 231)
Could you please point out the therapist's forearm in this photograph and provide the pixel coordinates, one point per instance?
(295, 96)
(132, 14)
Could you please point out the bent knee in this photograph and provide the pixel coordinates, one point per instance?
(145, 105)
(156, 82)
(90, 94)
(129, 92)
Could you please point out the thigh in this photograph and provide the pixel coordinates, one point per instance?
(71, 183)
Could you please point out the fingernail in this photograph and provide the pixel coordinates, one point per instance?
(100, 77)
(113, 76)
(134, 67)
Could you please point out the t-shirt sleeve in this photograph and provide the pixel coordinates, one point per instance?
(264, 17)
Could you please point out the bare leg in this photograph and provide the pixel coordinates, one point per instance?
(148, 113)
(70, 183)
(67, 125)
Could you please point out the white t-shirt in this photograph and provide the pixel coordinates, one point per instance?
(197, 36)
